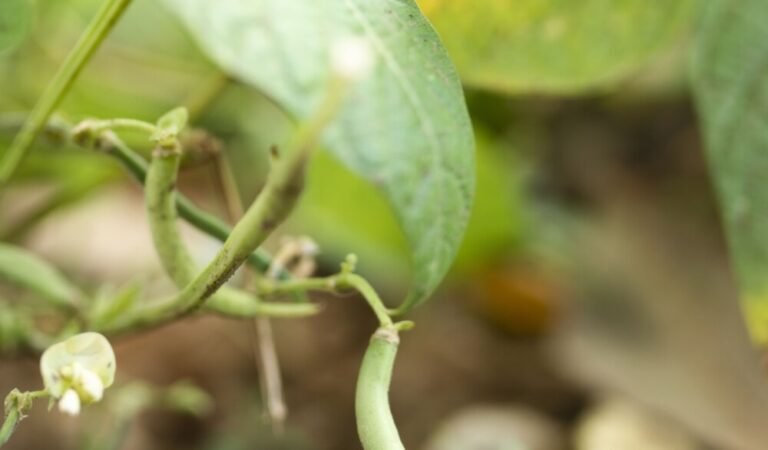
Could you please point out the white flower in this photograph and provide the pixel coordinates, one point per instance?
(77, 370)
(352, 58)
(70, 403)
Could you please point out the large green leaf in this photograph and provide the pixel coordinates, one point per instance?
(730, 80)
(557, 46)
(405, 128)
(15, 18)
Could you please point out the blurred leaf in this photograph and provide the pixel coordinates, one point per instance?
(15, 18)
(183, 396)
(73, 175)
(557, 46)
(29, 271)
(405, 128)
(67, 166)
(109, 307)
(731, 89)
(13, 328)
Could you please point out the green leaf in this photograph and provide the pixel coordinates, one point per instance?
(556, 46)
(361, 220)
(731, 88)
(405, 128)
(31, 272)
(15, 19)
(109, 307)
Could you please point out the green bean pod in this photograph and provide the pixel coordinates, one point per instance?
(375, 424)
(161, 200)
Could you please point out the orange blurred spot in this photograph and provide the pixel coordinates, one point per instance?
(519, 299)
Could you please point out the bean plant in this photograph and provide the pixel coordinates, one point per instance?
(422, 160)
(370, 82)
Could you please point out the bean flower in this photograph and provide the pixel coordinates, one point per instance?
(76, 371)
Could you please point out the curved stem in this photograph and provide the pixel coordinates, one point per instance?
(54, 129)
(90, 40)
(366, 290)
(271, 207)
(333, 283)
(203, 221)
(160, 198)
(111, 144)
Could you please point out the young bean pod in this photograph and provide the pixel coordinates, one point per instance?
(375, 424)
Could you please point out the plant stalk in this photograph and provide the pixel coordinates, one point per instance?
(203, 221)
(335, 283)
(273, 204)
(160, 196)
(90, 40)
(271, 380)
(9, 425)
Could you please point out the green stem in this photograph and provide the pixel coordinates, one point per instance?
(270, 379)
(375, 424)
(280, 194)
(137, 166)
(90, 40)
(240, 304)
(42, 393)
(270, 208)
(160, 199)
(370, 295)
(54, 129)
(99, 126)
(9, 425)
(333, 283)
(16, 405)
(160, 196)
(327, 284)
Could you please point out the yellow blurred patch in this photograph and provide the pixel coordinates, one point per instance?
(756, 316)
(429, 6)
